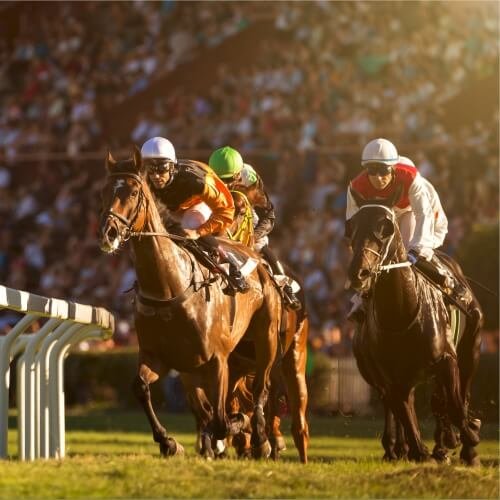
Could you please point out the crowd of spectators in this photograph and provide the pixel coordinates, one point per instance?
(338, 75)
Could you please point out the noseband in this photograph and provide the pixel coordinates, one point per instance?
(380, 267)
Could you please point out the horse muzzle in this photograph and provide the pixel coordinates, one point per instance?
(111, 238)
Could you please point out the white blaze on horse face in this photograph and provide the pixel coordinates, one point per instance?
(119, 184)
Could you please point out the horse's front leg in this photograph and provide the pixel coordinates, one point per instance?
(402, 402)
(389, 435)
(217, 372)
(145, 377)
(265, 349)
(202, 411)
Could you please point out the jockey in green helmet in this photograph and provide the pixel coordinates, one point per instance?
(239, 176)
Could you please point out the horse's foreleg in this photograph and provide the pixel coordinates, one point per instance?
(145, 377)
(389, 435)
(202, 411)
(294, 370)
(218, 373)
(403, 406)
(444, 435)
(448, 374)
(265, 348)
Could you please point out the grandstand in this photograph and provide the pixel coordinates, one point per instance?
(298, 87)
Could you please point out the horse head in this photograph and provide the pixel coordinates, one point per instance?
(124, 202)
(371, 232)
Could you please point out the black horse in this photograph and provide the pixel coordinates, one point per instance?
(406, 339)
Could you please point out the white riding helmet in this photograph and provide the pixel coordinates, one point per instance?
(406, 161)
(158, 147)
(380, 151)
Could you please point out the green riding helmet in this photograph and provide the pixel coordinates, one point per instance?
(226, 162)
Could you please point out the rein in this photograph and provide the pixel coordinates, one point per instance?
(380, 266)
(128, 233)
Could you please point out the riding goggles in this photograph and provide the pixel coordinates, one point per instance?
(379, 170)
(158, 165)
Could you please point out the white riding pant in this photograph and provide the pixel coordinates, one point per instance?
(406, 223)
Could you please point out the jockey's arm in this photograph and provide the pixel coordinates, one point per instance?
(266, 221)
(423, 241)
(352, 207)
(217, 196)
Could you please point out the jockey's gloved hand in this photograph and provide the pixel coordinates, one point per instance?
(413, 256)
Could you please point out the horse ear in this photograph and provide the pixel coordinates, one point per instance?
(137, 157)
(110, 161)
(360, 201)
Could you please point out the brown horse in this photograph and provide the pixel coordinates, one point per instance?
(182, 317)
(288, 374)
(405, 339)
(287, 378)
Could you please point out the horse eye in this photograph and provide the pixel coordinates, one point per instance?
(134, 193)
(385, 229)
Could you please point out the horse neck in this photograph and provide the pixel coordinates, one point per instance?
(163, 269)
(395, 295)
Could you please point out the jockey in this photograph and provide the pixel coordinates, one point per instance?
(420, 215)
(228, 165)
(197, 198)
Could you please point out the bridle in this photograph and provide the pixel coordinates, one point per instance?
(381, 267)
(127, 230)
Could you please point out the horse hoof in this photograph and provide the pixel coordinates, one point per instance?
(170, 447)
(280, 444)
(451, 439)
(470, 457)
(262, 451)
(389, 457)
(441, 457)
(239, 422)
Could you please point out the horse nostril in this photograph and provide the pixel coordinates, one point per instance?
(112, 233)
(363, 274)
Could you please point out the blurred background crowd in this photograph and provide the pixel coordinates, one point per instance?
(319, 80)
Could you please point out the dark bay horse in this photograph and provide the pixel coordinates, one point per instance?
(406, 338)
(180, 323)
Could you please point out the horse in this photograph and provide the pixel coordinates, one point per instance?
(405, 338)
(182, 317)
(287, 375)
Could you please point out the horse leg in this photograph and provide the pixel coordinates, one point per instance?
(273, 422)
(448, 373)
(218, 376)
(401, 448)
(203, 413)
(145, 377)
(389, 435)
(294, 371)
(403, 405)
(468, 353)
(444, 436)
(265, 350)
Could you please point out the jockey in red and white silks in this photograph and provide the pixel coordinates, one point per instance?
(421, 218)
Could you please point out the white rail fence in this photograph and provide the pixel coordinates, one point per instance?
(40, 375)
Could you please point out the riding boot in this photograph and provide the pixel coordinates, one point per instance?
(291, 300)
(439, 275)
(236, 279)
